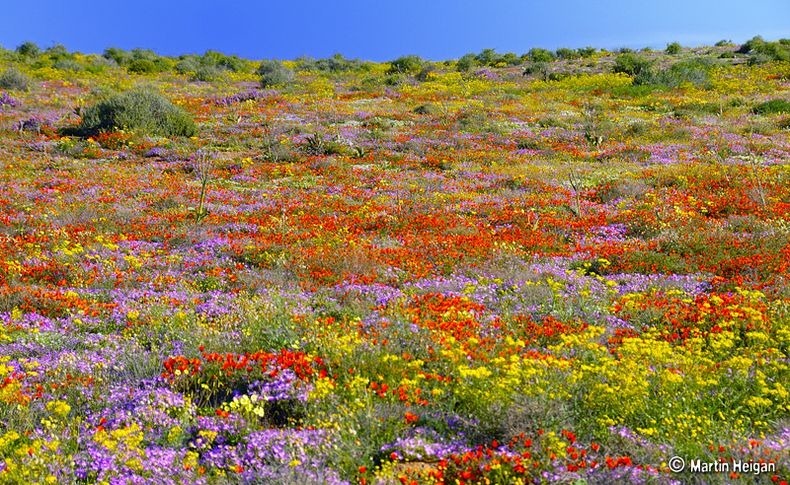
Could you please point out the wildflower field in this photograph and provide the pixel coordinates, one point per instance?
(375, 273)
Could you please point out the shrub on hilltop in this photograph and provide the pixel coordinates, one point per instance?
(631, 64)
(411, 65)
(28, 49)
(673, 49)
(274, 73)
(140, 110)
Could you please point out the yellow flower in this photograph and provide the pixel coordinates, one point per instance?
(58, 408)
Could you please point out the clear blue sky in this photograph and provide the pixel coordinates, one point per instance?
(383, 30)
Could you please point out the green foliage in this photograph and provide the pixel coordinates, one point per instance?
(693, 71)
(539, 69)
(466, 63)
(586, 52)
(67, 64)
(536, 54)
(120, 56)
(673, 49)
(142, 66)
(28, 49)
(273, 73)
(772, 106)
(207, 73)
(410, 65)
(141, 110)
(220, 61)
(187, 64)
(335, 64)
(631, 64)
(565, 53)
(488, 57)
(761, 51)
(58, 51)
(12, 78)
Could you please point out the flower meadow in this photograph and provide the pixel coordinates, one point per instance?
(366, 276)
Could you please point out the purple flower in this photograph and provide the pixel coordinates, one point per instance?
(7, 100)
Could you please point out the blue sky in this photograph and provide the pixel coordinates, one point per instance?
(383, 30)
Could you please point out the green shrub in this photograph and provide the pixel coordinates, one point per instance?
(466, 63)
(57, 51)
(764, 51)
(425, 73)
(565, 53)
(13, 78)
(66, 64)
(631, 64)
(273, 73)
(693, 71)
(406, 65)
(142, 66)
(120, 56)
(772, 106)
(187, 64)
(510, 58)
(536, 54)
(223, 62)
(539, 69)
(587, 51)
(673, 49)
(140, 110)
(28, 49)
(486, 57)
(207, 73)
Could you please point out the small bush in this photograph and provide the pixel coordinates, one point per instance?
(763, 51)
(223, 62)
(187, 65)
(426, 109)
(565, 53)
(58, 51)
(120, 56)
(466, 63)
(426, 73)
(140, 110)
(537, 54)
(539, 69)
(694, 71)
(631, 64)
(406, 65)
(142, 66)
(772, 106)
(28, 49)
(673, 49)
(67, 64)
(273, 73)
(207, 73)
(14, 79)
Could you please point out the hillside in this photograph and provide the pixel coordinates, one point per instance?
(559, 266)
